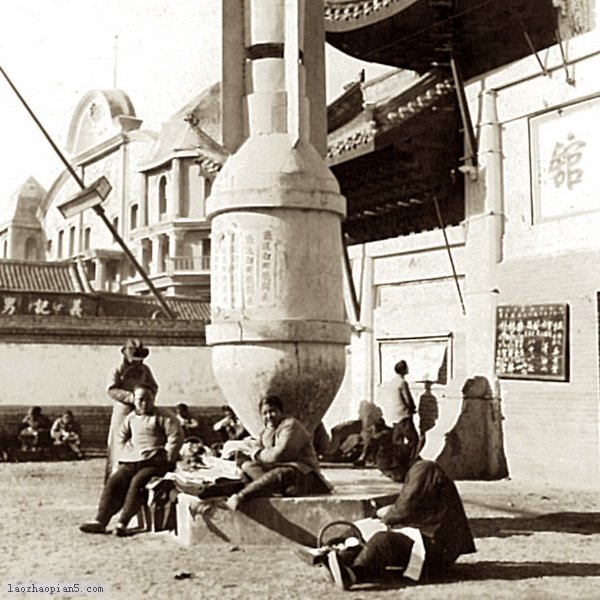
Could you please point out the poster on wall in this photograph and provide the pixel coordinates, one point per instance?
(428, 359)
(532, 342)
(564, 145)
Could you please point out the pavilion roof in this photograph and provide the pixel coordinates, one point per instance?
(415, 34)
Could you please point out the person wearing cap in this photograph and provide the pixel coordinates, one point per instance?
(131, 372)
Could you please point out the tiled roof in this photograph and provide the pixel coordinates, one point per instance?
(196, 126)
(25, 276)
(121, 305)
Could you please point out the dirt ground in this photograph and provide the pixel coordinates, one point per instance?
(533, 543)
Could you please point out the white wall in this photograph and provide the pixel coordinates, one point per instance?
(50, 374)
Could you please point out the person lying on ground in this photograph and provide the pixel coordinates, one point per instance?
(66, 434)
(282, 461)
(430, 505)
(149, 439)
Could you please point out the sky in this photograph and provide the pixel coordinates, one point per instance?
(55, 51)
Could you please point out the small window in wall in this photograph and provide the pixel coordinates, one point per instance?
(428, 358)
(49, 248)
(133, 216)
(5, 249)
(59, 244)
(87, 236)
(71, 241)
(162, 196)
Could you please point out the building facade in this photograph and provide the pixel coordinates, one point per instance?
(508, 291)
(159, 186)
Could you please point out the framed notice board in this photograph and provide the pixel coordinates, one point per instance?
(532, 342)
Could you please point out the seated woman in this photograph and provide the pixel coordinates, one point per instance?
(283, 461)
(419, 536)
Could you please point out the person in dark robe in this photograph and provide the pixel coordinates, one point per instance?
(430, 504)
(131, 372)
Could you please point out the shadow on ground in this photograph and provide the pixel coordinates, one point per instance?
(583, 523)
(492, 570)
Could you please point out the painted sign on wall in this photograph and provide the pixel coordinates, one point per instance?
(564, 146)
(532, 342)
(46, 304)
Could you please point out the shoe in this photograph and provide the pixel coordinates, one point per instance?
(234, 501)
(120, 530)
(311, 556)
(343, 576)
(92, 527)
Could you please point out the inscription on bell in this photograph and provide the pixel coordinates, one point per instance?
(250, 268)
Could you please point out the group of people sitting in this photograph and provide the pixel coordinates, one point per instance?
(39, 435)
(419, 535)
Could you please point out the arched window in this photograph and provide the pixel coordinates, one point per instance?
(87, 236)
(31, 249)
(162, 196)
(71, 241)
(59, 244)
(133, 216)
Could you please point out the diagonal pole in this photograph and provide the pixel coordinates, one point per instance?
(443, 228)
(97, 209)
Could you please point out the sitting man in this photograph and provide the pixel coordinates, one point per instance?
(149, 440)
(34, 433)
(230, 427)
(283, 461)
(189, 425)
(429, 503)
(65, 434)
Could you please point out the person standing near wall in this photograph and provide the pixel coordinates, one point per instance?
(129, 374)
(398, 408)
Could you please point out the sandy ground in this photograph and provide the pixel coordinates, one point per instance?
(533, 543)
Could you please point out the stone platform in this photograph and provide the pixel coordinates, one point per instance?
(283, 520)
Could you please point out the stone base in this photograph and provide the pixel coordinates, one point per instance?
(283, 520)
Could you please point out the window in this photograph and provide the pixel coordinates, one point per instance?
(49, 248)
(133, 216)
(162, 196)
(87, 235)
(5, 249)
(59, 244)
(71, 241)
